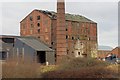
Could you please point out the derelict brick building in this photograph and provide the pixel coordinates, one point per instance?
(67, 34)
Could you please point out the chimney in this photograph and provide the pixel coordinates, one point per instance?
(61, 48)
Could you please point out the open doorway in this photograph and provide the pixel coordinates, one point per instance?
(3, 55)
(41, 57)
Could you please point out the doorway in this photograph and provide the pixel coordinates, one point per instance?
(41, 57)
(3, 55)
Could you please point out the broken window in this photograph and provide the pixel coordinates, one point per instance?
(66, 36)
(52, 43)
(38, 24)
(66, 29)
(38, 17)
(72, 38)
(32, 26)
(38, 30)
(78, 53)
(31, 18)
(3, 55)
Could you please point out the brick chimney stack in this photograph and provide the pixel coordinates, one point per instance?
(61, 49)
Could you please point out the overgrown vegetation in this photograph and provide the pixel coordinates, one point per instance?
(84, 68)
(19, 70)
(71, 68)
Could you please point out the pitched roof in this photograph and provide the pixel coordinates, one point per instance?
(1, 45)
(106, 48)
(35, 44)
(72, 17)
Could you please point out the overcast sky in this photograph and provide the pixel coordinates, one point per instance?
(104, 13)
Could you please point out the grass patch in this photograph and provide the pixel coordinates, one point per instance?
(21, 70)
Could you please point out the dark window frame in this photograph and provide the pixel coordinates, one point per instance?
(38, 17)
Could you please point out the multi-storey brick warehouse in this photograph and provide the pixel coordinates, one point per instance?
(80, 32)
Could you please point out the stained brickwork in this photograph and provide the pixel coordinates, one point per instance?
(116, 51)
(38, 25)
(103, 53)
(61, 31)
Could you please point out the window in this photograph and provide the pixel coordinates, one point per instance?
(85, 35)
(38, 17)
(31, 31)
(32, 26)
(4, 55)
(66, 29)
(38, 30)
(52, 43)
(38, 24)
(66, 37)
(31, 18)
(78, 53)
(72, 38)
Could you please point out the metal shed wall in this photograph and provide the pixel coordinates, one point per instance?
(50, 57)
(29, 53)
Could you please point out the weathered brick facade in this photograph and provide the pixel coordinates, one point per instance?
(103, 53)
(116, 51)
(61, 31)
(61, 44)
(37, 24)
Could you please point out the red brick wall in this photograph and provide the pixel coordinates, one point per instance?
(45, 26)
(103, 53)
(85, 31)
(116, 51)
(77, 32)
(60, 31)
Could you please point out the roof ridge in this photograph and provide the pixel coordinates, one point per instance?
(69, 16)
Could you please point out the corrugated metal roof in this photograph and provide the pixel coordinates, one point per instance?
(107, 48)
(1, 45)
(72, 17)
(35, 44)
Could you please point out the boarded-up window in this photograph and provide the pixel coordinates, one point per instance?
(46, 37)
(31, 31)
(46, 30)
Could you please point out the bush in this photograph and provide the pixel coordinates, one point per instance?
(83, 68)
(77, 63)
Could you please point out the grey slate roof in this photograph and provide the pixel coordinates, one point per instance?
(72, 17)
(107, 48)
(35, 44)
